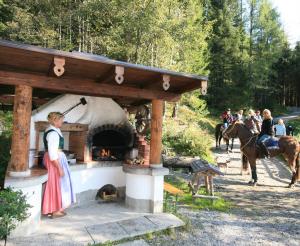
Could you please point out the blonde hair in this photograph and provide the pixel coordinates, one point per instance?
(267, 114)
(280, 121)
(53, 116)
(251, 112)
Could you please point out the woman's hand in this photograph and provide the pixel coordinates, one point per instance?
(58, 166)
(61, 172)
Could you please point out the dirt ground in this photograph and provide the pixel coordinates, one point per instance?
(268, 214)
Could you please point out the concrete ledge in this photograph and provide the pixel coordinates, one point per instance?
(19, 174)
(25, 182)
(95, 164)
(160, 171)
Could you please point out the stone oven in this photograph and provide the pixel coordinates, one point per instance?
(110, 142)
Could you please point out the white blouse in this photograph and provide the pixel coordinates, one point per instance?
(53, 142)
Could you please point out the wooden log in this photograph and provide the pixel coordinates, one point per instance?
(156, 132)
(66, 127)
(204, 196)
(178, 162)
(9, 99)
(21, 129)
(82, 86)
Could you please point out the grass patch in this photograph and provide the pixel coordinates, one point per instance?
(296, 124)
(197, 203)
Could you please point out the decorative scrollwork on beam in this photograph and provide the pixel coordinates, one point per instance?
(203, 87)
(166, 82)
(59, 64)
(119, 78)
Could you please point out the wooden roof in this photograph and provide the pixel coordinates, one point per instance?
(85, 74)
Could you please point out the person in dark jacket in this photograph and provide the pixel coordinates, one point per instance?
(290, 130)
(267, 131)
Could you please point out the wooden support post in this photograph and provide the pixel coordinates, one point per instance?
(156, 132)
(21, 131)
(206, 181)
(211, 185)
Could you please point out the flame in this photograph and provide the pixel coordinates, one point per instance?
(104, 153)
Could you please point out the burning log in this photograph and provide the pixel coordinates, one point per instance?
(135, 161)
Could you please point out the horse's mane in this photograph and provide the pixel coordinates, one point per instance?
(244, 126)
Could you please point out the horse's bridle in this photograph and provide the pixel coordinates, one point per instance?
(242, 147)
(226, 133)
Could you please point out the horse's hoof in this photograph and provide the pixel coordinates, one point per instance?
(254, 183)
(291, 186)
(250, 182)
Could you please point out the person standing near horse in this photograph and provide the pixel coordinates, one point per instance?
(259, 120)
(290, 130)
(267, 131)
(59, 193)
(280, 129)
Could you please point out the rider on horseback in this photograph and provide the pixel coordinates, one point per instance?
(226, 117)
(267, 131)
(251, 122)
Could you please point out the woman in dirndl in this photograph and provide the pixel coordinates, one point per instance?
(59, 193)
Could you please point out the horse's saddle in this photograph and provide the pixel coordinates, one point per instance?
(272, 143)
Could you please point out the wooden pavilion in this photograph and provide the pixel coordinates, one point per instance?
(30, 76)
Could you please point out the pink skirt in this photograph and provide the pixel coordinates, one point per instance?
(52, 195)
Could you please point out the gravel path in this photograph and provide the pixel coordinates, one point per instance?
(268, 214)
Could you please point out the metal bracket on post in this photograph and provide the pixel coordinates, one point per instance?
(119, 78)
(166, 82)
(59, 64)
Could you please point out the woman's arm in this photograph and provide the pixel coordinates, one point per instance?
(58, 166)
(53, 143)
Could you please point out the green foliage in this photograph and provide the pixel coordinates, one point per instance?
(296, 124)
(5, 143)
(13, 209)
(187, 140)
(189, 133)
(203, 203)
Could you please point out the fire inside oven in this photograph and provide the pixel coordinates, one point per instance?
(109, 145)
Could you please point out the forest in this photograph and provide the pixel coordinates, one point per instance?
(239, 44)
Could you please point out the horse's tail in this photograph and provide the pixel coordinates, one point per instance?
(217, 131)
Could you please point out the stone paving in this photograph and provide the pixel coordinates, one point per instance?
(96, 223)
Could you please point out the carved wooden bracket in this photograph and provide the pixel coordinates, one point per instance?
(119, 78)
(59, 64)
(166, 82)
(203, 87)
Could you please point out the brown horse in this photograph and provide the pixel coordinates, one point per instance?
(288, 146)
(219, 135)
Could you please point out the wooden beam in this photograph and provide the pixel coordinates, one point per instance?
(82, 86)
(190, 86)
(9, 99)
(107, 76)
(21, 131)
(156, 132)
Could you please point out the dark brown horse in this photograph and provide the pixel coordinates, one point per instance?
(288, 146)
(219, 135)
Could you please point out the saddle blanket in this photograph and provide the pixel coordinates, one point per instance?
(272, 143)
